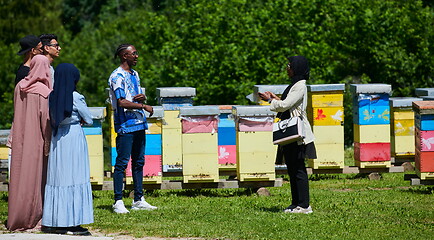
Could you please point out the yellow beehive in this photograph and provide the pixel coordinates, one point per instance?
(373, 164)
(326, 116)
(403, 127)
(402, 114)
(146, 180)
(200, 157)
(328, 156)
(326, 99)
(328, 134)
(4, 152)
(402, 146)
(263, 103)
(425, 175)
(372, 133)
(256, 156)
(112, 132)
(154, 126)
(96, 158)
(324, 164)
(171, 146)
(171, 120)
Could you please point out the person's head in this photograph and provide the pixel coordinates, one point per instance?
(61, 100)
(128, 54)
(30, 46)
(298, 68)
(39, 73)
(66, 74)
(40, 67)
(50, 46)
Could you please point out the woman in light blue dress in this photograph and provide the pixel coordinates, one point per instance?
(68, 193)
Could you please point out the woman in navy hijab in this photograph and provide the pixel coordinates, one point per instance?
(293, 103)
(68, 193)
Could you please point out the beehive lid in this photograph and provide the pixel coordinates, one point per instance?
(158, 112)
(276, 89)
(403, 101)
(371, 88)
(97, 112)
(326, 87)
(176, 92)
(225, 108)
(423, 107)
(428, 98)
(4, 134)
(199, 111)
(252, 111)
(424, 92)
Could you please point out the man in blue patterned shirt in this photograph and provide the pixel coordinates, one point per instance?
(127, 99)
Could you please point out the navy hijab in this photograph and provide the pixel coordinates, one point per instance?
(301, 70)
(66, 77)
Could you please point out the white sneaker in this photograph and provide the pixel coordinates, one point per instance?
(119, 207)
(299, 209)
(142, 205)
(289, 209)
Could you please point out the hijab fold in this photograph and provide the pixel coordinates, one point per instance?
(66, 77)
(38, 80)
(301, 70)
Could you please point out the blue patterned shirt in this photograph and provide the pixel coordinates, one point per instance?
(126, 85)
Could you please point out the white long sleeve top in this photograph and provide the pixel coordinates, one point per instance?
(296, 102)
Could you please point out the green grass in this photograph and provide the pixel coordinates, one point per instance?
(346, 206)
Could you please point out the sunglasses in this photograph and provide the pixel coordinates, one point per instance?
(56, 45)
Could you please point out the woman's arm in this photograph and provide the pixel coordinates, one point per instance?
(294, 97)
(82, 108)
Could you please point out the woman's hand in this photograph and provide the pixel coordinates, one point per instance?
(273, 96)
(268, 96)
(264, 96)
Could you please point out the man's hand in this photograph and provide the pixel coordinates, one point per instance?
(139, 98)
(149, 109)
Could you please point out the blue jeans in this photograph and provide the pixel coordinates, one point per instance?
(129, 145)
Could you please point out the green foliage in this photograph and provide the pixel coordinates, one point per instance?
(223, 48)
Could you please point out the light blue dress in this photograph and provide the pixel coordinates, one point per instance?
(68, 193)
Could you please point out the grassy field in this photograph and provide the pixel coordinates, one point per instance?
(346, 206)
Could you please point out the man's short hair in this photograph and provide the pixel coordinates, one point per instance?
(46, 38)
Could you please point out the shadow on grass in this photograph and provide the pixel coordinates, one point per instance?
(4, 198)
(206, 192)
(106, 207)
(275, 209)
(421, 190)
(319, 177)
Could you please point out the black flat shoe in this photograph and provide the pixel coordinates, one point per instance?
(78, 230)
(53, 230)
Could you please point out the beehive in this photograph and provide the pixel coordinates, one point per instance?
(402, 128)
(325, 112)
(199, 143)
(424, 138)
(371, 117)
(256, 153)
(94, 140)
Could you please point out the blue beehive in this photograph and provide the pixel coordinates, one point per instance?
(173, 98)
(371, 103)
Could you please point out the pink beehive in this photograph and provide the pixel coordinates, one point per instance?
(247, 125)
(227, 154)
(366, 152)
(199, 124)
(152, 166)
